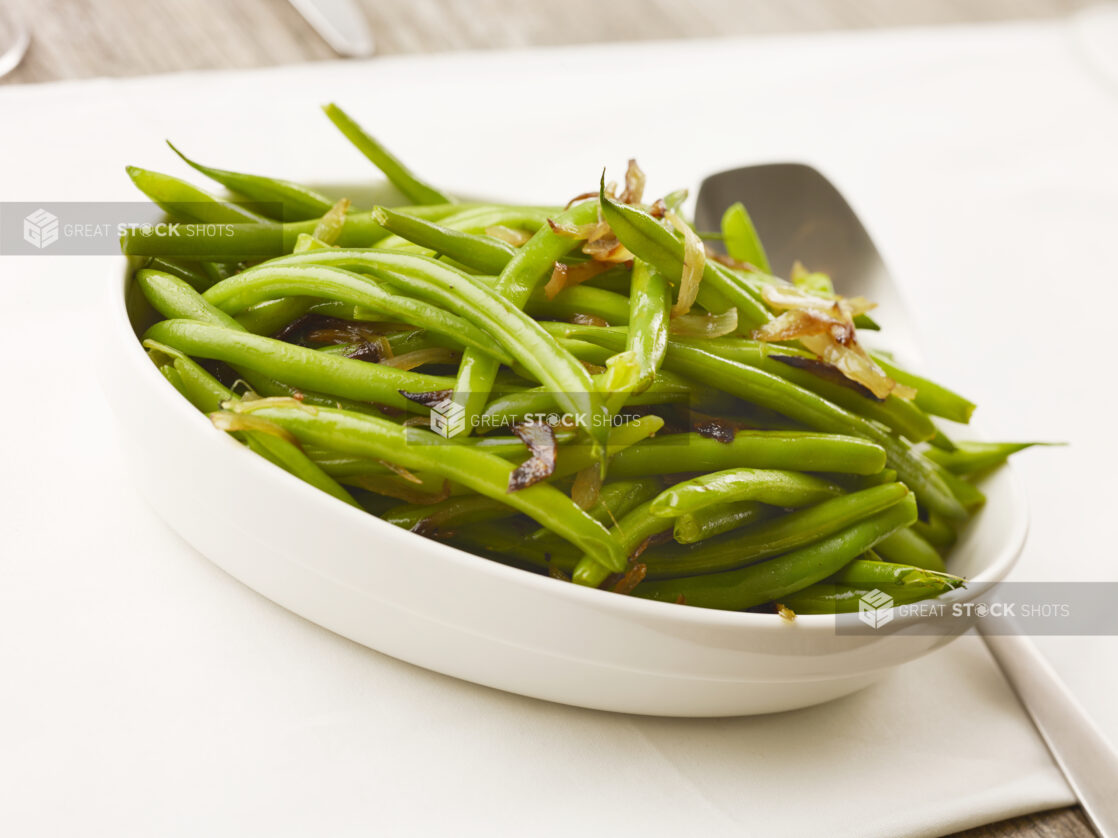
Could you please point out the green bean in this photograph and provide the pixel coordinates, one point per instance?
(481, 253)
(645, 237)
(969, 496)
(865, 573)
(779, 577)
(649, 306)
(508, 546)
(932, 398)
(283, 278)
(185, 201)
(173, 297)
(977, 457)
(589, 353)
(580, 299)
(474, 221)
(270, 316)
(741, 239)
(794, 451)
(207, 394)
(467, 465)
(776, 488)
(937, 531)
(826, 598)
(772, 536)
(249, 242)
(719, 518)
(396, 172)
(191, 272)
(942, 441)
(268, 387)
(171, 374)
(906, 547)
(448, 515)
(297, 203)
(297, 365)
(516, 283)
(856, 482)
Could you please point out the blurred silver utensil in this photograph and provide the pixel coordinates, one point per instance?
(1081, 750)
(799, 214)
(14, 40)
(341, 24)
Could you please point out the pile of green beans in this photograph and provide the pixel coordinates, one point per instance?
(417, 362)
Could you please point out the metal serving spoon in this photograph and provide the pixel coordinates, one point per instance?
(799, 214)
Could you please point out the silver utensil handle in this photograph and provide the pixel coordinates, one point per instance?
(1087, 759)
(340, 23)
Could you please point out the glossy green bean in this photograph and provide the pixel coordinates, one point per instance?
(828, 598)
(865, 573)
(937, 531)
(298, 366)
(173, 297)
(580, 300)
(268, 387)
(969, 496)
(397, 173)
(296, 202)
(777, 578)
(448, 515)
(187, 202)
(719, 518)
(790, 450)
(250, 242)
(191, 272)
(481, 253)
(906, 547)
(932, 398)
(650, 303)
(772, 536)
(740, 238)
(777, 488)
(285, 278)
(977, 457)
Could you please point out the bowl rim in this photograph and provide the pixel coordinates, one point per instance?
(121, 275)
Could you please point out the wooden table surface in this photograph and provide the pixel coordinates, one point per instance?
(83, 38)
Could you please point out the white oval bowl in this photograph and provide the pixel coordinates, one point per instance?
(455, 613)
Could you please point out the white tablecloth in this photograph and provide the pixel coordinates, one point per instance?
(144, 692)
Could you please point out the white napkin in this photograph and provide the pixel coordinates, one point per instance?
(145, 692)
